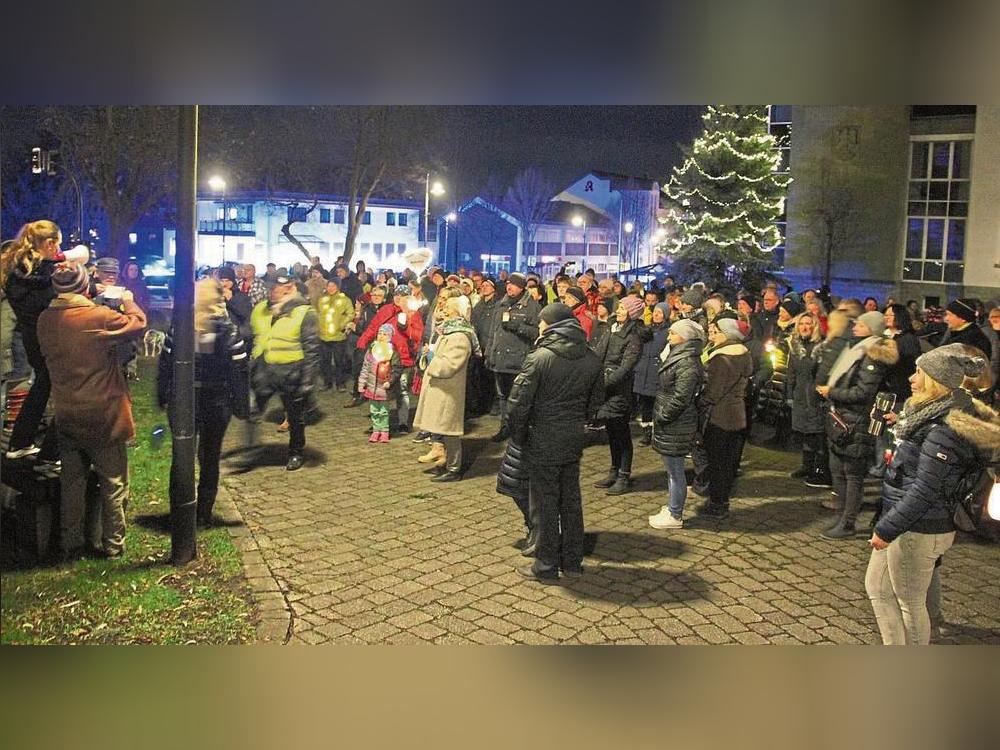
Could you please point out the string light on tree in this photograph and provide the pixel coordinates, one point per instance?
(726, 197)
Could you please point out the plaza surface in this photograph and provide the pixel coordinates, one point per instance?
(360, 546)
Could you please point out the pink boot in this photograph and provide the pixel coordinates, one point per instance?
(383, 437)
(374, 437)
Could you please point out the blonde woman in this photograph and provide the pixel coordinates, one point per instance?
(808, 415)
(26, 277)
(942, 436)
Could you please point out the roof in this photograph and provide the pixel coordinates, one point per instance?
(564, 211)
(624, 181)
(261, 196)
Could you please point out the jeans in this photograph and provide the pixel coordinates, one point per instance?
(110, 462)
(334, 363)
(620, 443)
(646, 404)
(848, 476)
(555, 491)
(400, 393)
(722, 448)
(504, 382)
(897, 582)
(678, 484)
(699, 457)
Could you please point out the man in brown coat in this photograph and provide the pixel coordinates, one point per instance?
(92, 405)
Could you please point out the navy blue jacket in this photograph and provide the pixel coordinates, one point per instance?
(647, 379)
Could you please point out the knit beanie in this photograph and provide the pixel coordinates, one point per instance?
(688, 330)
(874, 320)
(488, 280)
(401, 290)
(962, 309)
(633, 306)
(692, 297)
(518, 279)
(731, 328)
(665, 309)
(950, 365)
(227, 272)
(387, 329)
(792, 307)
(577, 293)
(555, 312)
(70, 277)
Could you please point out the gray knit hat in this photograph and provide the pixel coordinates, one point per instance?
(730, 327)
(693, 297)
(950, 365)
(70, 277)
(688, 330)
(874, 320)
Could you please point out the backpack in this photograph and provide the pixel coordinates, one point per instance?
(970, 514)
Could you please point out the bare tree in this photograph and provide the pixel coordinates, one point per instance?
(636, 211)
(528, 200)
(126, 154)
(830, 213)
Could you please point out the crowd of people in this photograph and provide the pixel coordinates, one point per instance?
(560, 362)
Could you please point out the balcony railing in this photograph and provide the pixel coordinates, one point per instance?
(231, 227)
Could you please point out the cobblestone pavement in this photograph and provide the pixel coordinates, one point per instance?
(365, 549)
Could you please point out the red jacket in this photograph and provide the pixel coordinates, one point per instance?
(406, 339)
(580, 311)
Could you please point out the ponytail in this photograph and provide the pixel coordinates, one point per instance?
(24, 251)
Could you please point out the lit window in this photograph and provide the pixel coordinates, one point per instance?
(367, 218)
(133, 238)
(324, 216)
(338, 216)
(402, 219)
(390, 219)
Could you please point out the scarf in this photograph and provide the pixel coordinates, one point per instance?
(912, 419)
(848, 357)
(453, 325)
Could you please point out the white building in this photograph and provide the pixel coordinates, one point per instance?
(251, 232)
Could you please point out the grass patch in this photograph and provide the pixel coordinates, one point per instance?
(139, 598)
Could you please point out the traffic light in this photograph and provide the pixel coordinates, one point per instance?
(36, 161)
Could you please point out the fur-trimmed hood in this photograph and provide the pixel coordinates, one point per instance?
(883, 350)
(980, 429)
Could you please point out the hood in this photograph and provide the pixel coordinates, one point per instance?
(729, 349)
(690, 348)
(883, 350)
(565, 339)
(978, 425)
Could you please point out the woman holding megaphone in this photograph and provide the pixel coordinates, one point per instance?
(26, 277)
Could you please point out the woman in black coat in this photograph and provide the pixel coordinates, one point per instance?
(808, 412)
(647, 381)
(675, 414)
(944, 438)
(619, 353)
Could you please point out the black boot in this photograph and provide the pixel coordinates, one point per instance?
(621, 486)
(819, 478)
(647, 435)
(612, 478)
(845, 528)
(807, 468)
(531, 546)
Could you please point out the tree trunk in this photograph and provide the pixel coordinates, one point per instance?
(286, 230)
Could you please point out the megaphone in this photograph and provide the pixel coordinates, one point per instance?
(78, 254)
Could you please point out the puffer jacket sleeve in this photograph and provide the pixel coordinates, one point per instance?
(864, 387)
(522, 398)
(311, 349)
(687, 383)
(630, 358)
(938, 476)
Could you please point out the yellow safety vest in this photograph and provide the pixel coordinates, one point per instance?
(279, 342)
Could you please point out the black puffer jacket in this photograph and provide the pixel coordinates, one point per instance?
(29, 294)
(557, 391)
(675, 414)
(772, 374)
(808, 409)
(853, 396)
(619, 353)
(512, 478)
(923, 481)
(484, 321)
(654, 339)
(897, 379)
(512, 339)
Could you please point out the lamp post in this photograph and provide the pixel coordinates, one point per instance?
(436, 189)
(219, 185)
(448, 219)
(629, 227)
(579, 221)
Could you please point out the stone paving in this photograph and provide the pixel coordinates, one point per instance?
(360, 547)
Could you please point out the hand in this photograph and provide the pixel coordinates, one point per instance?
(127, 296)
(385, 386)
(877, 542)
(227, 294)
(823, 390)
(891, 417)
(100, 287)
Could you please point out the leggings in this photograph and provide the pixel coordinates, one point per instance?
(620, 442)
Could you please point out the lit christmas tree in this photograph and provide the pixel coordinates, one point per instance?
(726, 198)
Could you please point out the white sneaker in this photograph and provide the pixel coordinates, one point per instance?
(663, 520)
(31, 450)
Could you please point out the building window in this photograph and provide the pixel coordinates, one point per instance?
(937, 206)
(338, 216)
(365, 247)
(779, 125)
(402, 219)
(367, 219)
(401, 248)
(389, 248)
(338, 248)
(390, 219)
(324, 216)
(378, 251)
(296, 213)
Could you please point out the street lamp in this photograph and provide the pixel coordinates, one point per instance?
(436, 189)
(449, 218)
(219, 186)
(579, 221)
(629, 227)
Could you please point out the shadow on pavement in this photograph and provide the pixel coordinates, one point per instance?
(964, 634)
(778, 516)
(625, 546)
(480, 465)
(272, 454)
(637, 586)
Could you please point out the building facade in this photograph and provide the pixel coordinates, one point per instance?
(898, 200)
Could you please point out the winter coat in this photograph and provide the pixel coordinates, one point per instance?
(364, 319)
(600, 329)
(557, 391)
(406, 337)
(512, 478)
(774, 364)
(221, 364)
(583, 318)
(728, 368)
(924, 479)
(484, 320)
(29, 294)
(897, 379)
(647, 379)
(512, 339)
(350, 286)
(681, 378)
(853, 395)
(295, 379)
(970, 335)
(808, 409)
(240, 308)
(78, 339)
(619, 353)
(441, 408)
(377, 378)
(334, 312)
(825, 354)
(768, 323)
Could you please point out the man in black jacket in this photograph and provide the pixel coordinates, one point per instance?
(558, 390)
(960, 317)
(483, 315)
(515, 328)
